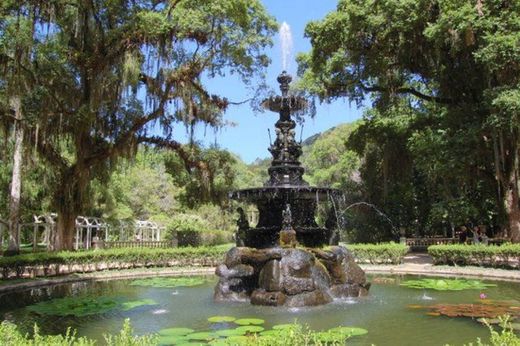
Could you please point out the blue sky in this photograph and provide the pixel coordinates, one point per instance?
(249, 138)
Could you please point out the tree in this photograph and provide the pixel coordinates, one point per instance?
(112, 73)
(15, 48)
(460, 57)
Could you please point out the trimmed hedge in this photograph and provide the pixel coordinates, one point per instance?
(506, 255)
(66, 262)
(384, 253)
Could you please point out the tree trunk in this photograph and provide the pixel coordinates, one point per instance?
(65, 229)
(69, 202)
(16, 181)
(512, 206)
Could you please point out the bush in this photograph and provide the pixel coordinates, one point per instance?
(203, 238)
(505, 255)
(47, 263)
(383, 253)
(11, 336)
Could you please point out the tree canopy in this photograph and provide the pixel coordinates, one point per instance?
(454, 67)
(108, 75)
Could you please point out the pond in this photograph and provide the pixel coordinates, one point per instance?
(391, 313)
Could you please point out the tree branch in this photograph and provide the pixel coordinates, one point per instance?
(189, 163)
(407, 90)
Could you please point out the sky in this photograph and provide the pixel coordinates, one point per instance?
(249, 137)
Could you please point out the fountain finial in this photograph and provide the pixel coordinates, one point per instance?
(284, 79)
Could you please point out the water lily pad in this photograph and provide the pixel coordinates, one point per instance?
(284, 326)
(84, 306)
(349, 331)
(219, 342)
(204, 336)
(248, 321)
(171, 339)
(229, 332)
(176, 331)
(447, 284)
(237, 339)
(136, 303)
(271, 332)
(221, 319)
(251, 329)
(165, 282)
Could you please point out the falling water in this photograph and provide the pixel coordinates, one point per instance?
(287, 44)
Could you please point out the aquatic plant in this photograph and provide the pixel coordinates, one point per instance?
(446, 284)
(169, 282)
(248, 321)
(86, 305)
(221, 319)
(489, 310)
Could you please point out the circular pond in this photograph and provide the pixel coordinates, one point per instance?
(393, 314)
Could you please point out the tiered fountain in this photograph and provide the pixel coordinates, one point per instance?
(287, 258)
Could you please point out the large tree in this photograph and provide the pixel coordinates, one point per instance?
(113, 74)
(460, 58)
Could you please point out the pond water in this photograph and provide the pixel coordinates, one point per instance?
(385, 313)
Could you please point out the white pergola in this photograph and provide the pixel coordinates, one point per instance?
(139, 230)
(85, 227)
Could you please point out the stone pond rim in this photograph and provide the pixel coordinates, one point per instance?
(287, 259)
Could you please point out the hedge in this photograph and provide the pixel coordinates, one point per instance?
(383, 253)
(66, 262)
(506, 255)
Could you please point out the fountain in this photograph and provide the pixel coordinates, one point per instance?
(287, 259)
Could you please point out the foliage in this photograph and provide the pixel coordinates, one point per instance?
(446, 284)
(328, 162)
(505, 337)
(440, 146)
(127, 337)
(482, 255)
(390, 253)
(117, 258)
(106, 76)
(11, 336)
(84, 306)
(169, 282)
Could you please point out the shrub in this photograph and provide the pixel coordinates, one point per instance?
(483, 255)
(56, 262)
(203, 238)
(391, 253)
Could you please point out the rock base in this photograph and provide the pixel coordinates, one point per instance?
(292, 277)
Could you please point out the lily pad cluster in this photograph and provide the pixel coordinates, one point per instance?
(86, 305)
(169, 282)
(486, 310)
(228, 330)
(447, 284)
